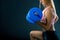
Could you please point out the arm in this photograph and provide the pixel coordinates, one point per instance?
(46, 25)
(42, 24)
(56, 19)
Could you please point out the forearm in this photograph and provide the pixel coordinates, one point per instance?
(41, 24)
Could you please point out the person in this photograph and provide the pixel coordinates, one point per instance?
(47, 22)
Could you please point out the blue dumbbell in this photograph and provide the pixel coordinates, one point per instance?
(29, 19)
(34, 15)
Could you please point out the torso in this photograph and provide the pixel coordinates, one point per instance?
(45, 16)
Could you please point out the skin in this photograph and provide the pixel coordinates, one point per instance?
(46, 26)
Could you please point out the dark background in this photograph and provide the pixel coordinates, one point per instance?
(13, 24)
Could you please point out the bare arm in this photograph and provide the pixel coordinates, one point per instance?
(46, 25)
(42, 24)
(56, 19)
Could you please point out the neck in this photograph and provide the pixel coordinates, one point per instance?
(48, 5)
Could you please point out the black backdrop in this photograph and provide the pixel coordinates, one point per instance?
(12, 18)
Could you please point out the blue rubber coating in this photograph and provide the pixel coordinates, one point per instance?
(29, 19)
(34, 14)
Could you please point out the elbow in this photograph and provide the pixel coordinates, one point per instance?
(57, 18)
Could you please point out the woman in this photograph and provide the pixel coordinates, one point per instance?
(47, 23)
